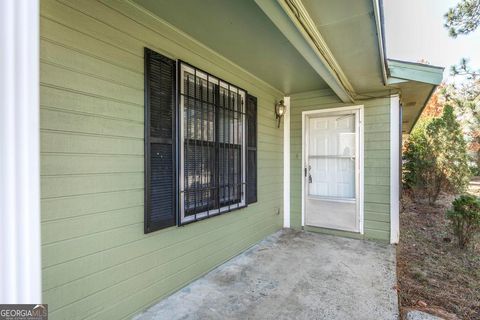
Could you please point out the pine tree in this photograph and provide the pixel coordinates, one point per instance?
(463, 18)
(449, 145)
(464, 96)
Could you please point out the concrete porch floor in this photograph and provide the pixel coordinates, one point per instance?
(292, 275)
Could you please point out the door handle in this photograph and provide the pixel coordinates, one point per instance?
(307, 173)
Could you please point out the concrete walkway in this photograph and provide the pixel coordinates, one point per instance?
(292, 275)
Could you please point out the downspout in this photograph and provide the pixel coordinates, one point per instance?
(380, 24)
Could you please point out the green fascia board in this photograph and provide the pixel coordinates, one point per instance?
(282, 21)
(415, 72)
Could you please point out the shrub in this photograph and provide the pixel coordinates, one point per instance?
(421, 173)
(465, 218)
(475, 170)
(436, 157)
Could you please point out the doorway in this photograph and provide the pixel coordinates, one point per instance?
(333, 168)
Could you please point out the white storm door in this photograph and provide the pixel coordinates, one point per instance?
(332, 170)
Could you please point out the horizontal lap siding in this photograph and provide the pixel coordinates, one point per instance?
(96, 261)
(376, 161)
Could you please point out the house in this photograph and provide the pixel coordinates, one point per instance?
(176, 134)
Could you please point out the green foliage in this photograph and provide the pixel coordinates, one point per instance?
(475, 170)
(465, 218)
(463, 18)
(436, 157)
(464, 95)
(418, 162)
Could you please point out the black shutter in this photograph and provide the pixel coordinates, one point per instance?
(251, 149)
(160, 133)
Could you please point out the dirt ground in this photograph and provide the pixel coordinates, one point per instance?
(433, 273)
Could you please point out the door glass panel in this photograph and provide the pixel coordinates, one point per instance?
(332, 178)
(331, 159)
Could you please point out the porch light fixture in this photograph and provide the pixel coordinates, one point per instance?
(280, 110)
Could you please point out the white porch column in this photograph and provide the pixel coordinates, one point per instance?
(394, 168)
(286, 164)
(20, 264)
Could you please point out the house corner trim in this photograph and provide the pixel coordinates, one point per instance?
(286, 164)
(394, 169)
(20, 262)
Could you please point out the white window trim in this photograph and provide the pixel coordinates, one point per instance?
(185, 67)
(361, 184)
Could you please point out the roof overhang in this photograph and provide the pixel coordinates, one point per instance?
(294, 21)
(415, 82)
(305, 45)
(237, 31)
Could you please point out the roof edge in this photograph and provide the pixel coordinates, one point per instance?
(414, 71)
(416, 63)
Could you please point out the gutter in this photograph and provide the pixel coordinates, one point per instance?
(380, 23)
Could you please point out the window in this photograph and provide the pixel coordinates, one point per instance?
(200, 145)
(212, 145)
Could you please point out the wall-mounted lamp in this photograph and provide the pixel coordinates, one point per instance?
(280, 110)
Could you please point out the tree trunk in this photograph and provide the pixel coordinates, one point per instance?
(436, 192)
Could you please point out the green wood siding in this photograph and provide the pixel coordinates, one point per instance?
(376, 161)
(97, 262)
